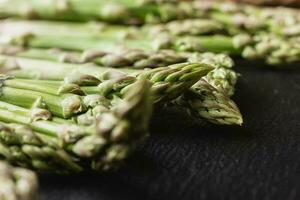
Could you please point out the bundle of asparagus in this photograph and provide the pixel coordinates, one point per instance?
(278, 20)
(104, 106)
(34, 135)
(17, 183)
(220, 82)
(114, 11)
(120, 46)
(65, 108)
(137, 11)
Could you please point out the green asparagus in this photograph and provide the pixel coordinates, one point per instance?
(223, 79)
(233, 15)
(55, 98)
(17, 183)
(139, 11)
(168, 82)
(251, 19)
(32, 35)
(115, 11)
(118, 32)
(136, 59)
(120, 58)
(58, 145)
(210, 98)
(109, 50)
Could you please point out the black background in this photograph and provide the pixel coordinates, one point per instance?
(185, 159)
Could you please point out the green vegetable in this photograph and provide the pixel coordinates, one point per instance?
(114, 11)
(137, 48)
(17, 183)
(99, 142)
(168, 82)
(223, 79)
(210, 98)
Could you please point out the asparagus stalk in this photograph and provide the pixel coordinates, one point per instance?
(136, 59)
(235, 16)
(194, 27)
(64, 28)
(284, 22)
(106, 38)
(251, 19)
(120, 58)
(211, 104)
(271, 48)
(112, 52)
(17, 183)
(105, 44)
(102, 30)
(63, 106)
(125, 11)
(168, 82)
(223, 79)
(163, 92)
(63, 147)
(56, 98)
(210, 99)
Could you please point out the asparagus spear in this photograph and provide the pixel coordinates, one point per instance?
(284, 22)
(100, 49)
(216, 79)
(169, 82)
(99, 29)
(32, 34)
(44, 33)
(17, 183)
(236, 18)
(125, 11)
(127, 58)
(210, 98)
(223, 79)
(62, 146)
(251, 19)
(30, 95)
(271, 48)
(232, 14)
(120, 58)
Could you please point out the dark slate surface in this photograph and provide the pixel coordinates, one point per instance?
(184, 159)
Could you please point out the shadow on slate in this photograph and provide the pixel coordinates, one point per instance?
(184, 159)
